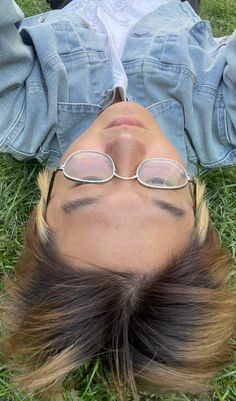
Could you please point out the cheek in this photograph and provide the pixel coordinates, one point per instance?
(163, 148)
(52, 214)
(87, 141)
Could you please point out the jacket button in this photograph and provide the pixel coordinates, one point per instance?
(86, 25)
(41, 19)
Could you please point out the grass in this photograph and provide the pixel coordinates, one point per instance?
(19, 194)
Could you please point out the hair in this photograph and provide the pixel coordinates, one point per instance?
(154, 331)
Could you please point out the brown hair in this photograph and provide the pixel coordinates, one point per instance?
(153, 331)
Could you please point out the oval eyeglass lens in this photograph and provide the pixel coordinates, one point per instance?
(89, 165)
(162, 173)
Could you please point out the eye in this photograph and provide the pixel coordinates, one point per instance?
(78, 183)
(156, 180)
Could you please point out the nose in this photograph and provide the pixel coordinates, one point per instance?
(127, 151)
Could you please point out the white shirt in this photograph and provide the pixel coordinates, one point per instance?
(113, 20)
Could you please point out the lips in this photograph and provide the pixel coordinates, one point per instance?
(125, 121)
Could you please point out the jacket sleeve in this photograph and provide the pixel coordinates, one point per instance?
(210, 116)
(229, 90)
(24, 108)
(16, 60)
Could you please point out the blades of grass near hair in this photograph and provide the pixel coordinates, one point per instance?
(185, 397)
(91, 378)
(221, 195)
(18, 194)
(14, 202)
(8, 392)
(219, 396)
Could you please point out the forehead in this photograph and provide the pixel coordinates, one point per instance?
(121, 232)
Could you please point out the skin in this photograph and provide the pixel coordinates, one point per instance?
(124, 230)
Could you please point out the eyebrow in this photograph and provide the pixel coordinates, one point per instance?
(82, 203)
(176, 211)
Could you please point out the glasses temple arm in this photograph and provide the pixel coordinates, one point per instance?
(194, 193)
(51, 185)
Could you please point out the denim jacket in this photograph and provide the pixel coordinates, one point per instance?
(56, 78)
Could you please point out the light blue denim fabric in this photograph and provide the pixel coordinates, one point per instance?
(56, 78)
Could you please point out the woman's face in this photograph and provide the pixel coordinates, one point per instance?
(127, 225)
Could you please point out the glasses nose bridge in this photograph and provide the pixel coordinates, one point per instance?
(125, 178)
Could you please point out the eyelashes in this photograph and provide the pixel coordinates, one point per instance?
(78, 183)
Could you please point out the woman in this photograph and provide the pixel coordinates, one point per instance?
(120, 259)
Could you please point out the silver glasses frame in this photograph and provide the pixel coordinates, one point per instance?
(115, 174)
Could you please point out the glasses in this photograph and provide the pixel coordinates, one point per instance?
(91, 166)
